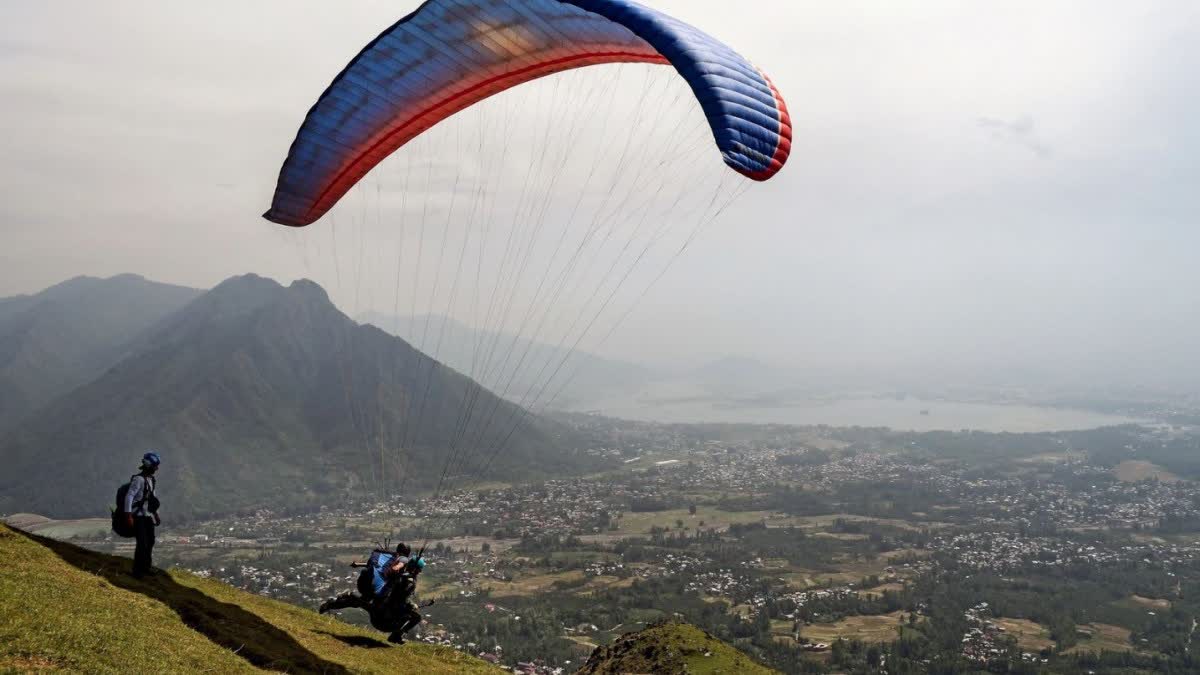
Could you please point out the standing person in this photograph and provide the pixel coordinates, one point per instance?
(141, 513)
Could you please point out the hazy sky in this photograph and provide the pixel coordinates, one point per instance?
(1012, 183)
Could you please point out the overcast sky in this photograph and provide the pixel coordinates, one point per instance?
(1005, 183)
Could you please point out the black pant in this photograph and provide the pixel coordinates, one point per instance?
(143, 533)
(409, 620)
(348, 601)
(397, 623)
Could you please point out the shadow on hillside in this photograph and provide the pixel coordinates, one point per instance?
(228, 625)
(357, 640)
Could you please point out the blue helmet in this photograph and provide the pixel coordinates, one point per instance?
(419, 563)
(151, 460)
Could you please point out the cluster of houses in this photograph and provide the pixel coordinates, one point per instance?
(723, 583)
(986, 640)
(558, 507)
(1093, 500)
(1001, 551)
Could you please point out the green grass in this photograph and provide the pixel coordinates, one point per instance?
(65, 608)
(671, 648)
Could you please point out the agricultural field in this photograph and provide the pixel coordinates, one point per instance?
(836, 550)
(1030, 636)
(870, 629)
(1152, 603)
(633, 523)
(1102, 637)
(1135, 471)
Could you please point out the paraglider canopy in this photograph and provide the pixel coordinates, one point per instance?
(451, 54)
(537, 219)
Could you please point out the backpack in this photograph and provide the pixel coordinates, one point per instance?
(119, 525)
(371, 581)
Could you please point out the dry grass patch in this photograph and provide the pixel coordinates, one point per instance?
(906, 553)
(1030, 636)
(826, 521)
(533, 584)
(806, 579)
(1135, 470)
(876, 628)
(1153, 603)
(641, 523)
(878, 591)
(841, 536)
(1104, 638)
(24, 664)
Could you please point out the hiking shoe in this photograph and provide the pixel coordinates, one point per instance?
(324, 607)
(396, 639)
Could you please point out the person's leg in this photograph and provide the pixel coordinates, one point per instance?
(143, 534)
(348, 600)
(150, 536)
(413, 621)
(409, 622)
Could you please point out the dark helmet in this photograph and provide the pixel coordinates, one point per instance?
(151, 460)
(403, 549)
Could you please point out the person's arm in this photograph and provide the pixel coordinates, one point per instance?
(157, 520)
(137, 485)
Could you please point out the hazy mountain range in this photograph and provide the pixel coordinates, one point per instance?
(66, 335)
(515, 367)
(256, 395)
(263, 395)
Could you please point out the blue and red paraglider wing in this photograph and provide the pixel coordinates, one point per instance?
(450, 54)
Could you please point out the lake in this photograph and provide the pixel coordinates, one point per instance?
(900, 414)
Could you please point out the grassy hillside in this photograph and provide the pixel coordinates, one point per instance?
(670, 649)
(65, 608)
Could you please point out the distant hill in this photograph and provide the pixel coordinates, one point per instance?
(67, 335)
(73, 610)
(584, 377)
(670, 649)
(260, 395)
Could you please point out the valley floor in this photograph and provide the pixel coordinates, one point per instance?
(810, 549)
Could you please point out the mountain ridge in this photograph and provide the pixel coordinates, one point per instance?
(66, 335)
(260, 395)
(583, 377)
